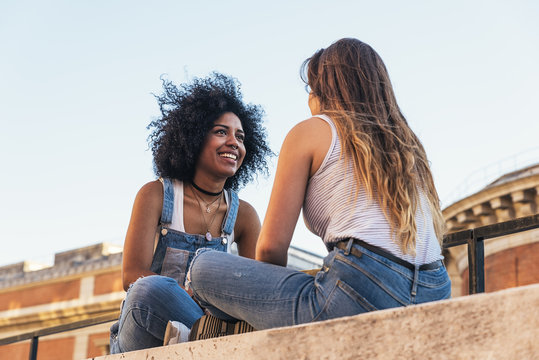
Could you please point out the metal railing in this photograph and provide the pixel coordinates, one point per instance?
(35, 335)
(474, 238)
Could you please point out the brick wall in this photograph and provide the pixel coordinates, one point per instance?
(91, 291)
(54, 349)
(97, 344)
(38, 295)
(108, 283)
(513, 267)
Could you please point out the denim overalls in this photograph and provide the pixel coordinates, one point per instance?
(152, 301)
(175, 249)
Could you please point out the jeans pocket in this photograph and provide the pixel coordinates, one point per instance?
(343, 301)
(354, 295)
(113, 338)
(175, 264)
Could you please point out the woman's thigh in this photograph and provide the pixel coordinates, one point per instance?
(378, 283)
(262, 294)
(433, 285)
(361, 284)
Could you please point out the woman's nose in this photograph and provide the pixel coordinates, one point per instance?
(233, 142)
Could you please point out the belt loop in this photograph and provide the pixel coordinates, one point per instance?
(414, 285)
(349, 246)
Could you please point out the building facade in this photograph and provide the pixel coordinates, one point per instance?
(511, 260)
(83, 283)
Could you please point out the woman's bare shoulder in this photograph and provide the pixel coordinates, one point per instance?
(246, 211)
(151, 192)
(311, 137)
(312, 125)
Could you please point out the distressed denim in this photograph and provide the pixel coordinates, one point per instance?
(268, 296)
(148, 306)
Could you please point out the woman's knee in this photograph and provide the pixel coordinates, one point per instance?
(200, 262)
(150, 287)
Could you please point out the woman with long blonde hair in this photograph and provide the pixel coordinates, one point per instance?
(362, 178)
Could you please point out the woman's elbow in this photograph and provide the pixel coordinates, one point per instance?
(272, 254)
(125, 282)
(128, 278)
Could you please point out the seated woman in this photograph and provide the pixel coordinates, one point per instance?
(206, 144)
(363, 181)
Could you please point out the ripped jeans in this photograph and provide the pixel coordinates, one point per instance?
(148, 306)
(268, 296)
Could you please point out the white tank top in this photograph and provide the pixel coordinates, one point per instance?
(331, 211)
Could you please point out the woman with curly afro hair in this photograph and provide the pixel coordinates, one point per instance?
(206, 145)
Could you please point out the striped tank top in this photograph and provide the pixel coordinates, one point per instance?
(331, 211)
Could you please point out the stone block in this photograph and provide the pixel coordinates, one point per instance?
(501, 203)
(466, 217)
(523, 196)
(482, 209)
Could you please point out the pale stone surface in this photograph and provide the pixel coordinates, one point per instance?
(499, 325)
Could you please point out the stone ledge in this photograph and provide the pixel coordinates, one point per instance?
(12, 276)
(499, 325)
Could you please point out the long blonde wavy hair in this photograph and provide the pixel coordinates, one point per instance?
(351, 84)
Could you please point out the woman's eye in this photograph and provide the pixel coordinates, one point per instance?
(240, 137)
(220, 132)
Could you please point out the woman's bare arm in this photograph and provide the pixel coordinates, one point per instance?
(139, 241)
(303, 151)
(246, 230)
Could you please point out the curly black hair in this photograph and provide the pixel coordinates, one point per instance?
(188, 113)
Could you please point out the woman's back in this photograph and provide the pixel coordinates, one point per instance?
(332, 211)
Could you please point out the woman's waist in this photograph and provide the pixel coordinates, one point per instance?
(424, 253)
(348, 246)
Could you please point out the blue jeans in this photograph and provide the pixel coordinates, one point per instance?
(148, 306)
(268, 296)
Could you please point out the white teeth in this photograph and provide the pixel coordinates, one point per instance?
(228, 155)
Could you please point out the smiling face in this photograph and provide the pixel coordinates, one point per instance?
(223, 150)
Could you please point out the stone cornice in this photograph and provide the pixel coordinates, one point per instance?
(498, 203)
(12, 323)
(15, 281)
(490, 193)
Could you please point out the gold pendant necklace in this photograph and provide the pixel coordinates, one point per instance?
(208, 205)
(208, 232)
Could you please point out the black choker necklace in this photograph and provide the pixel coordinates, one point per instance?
(205, 191)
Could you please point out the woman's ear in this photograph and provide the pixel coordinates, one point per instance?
(314, 104)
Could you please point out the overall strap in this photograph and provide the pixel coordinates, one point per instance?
(168, 201)
(232, 212)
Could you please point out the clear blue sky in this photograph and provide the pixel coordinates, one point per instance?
(76, 79)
